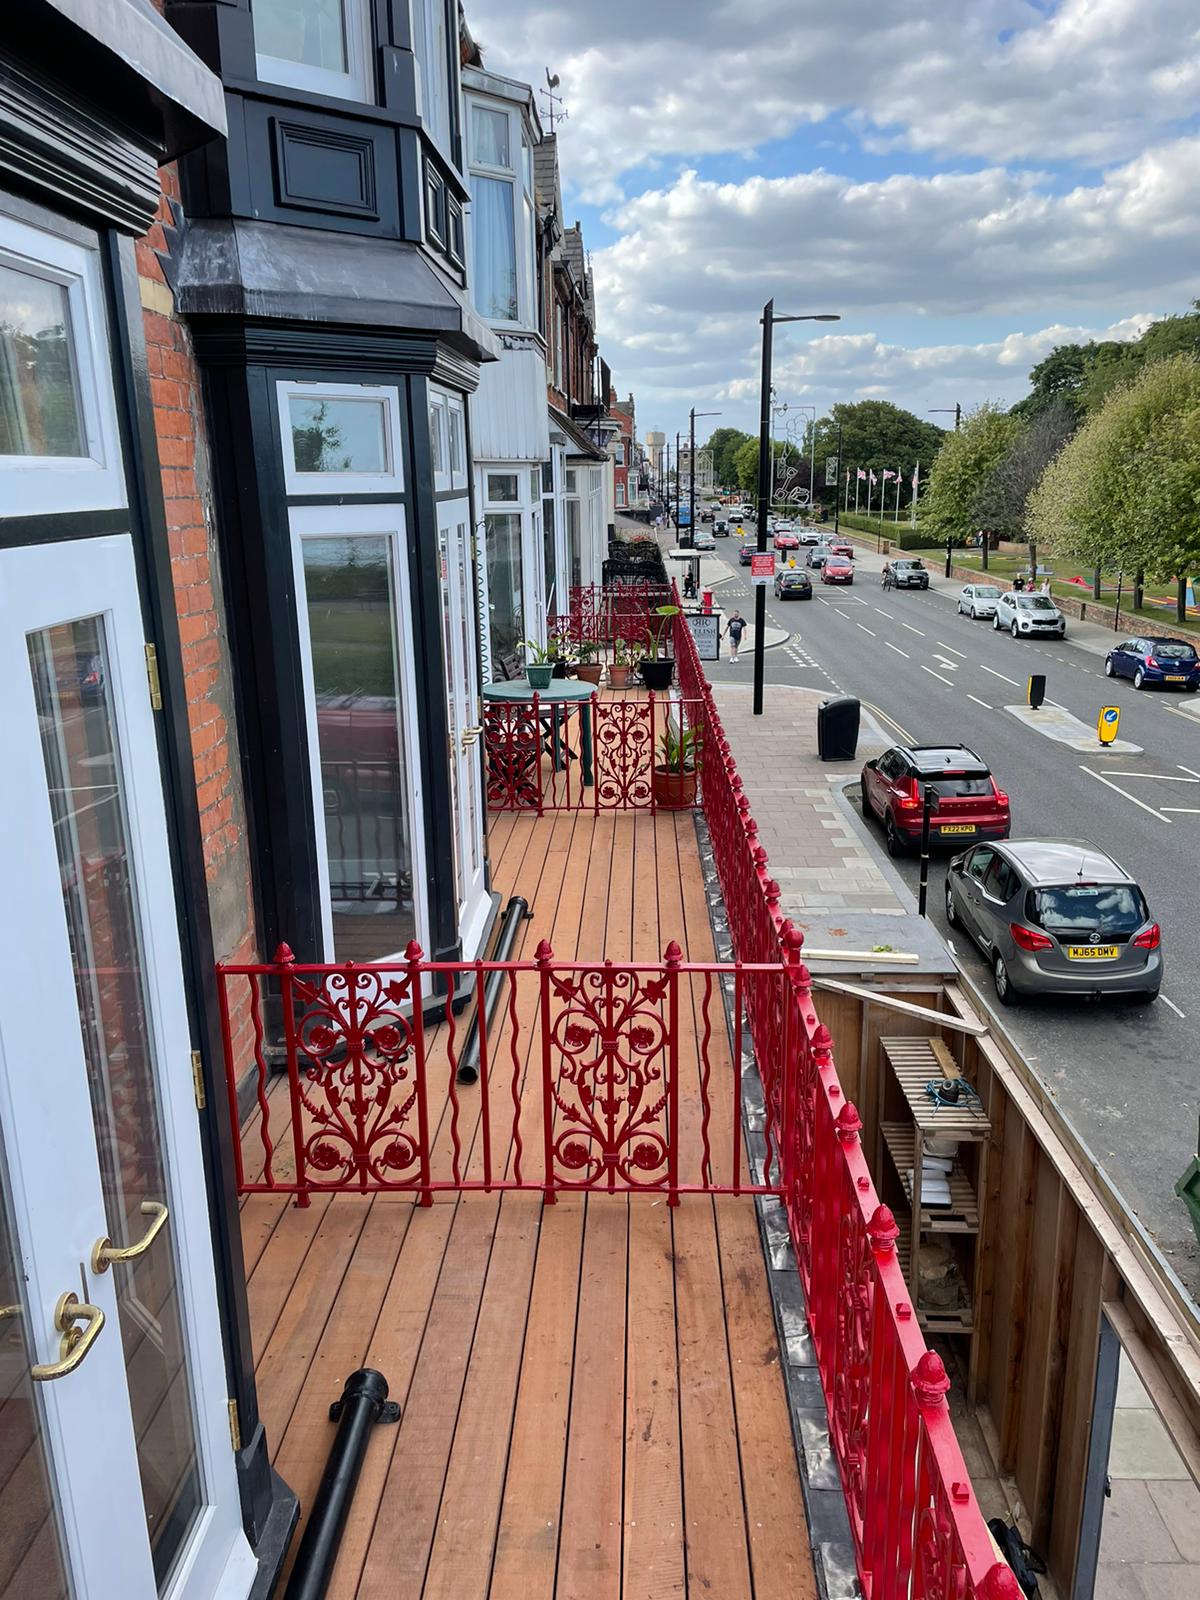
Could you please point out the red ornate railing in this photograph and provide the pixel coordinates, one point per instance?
(918, 1530)
(619, 610)
(608, 1076)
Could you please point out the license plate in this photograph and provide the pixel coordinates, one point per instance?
(957, 827)
(1092, 952)
(1176, 677)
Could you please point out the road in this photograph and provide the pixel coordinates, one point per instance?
(1128, 1076)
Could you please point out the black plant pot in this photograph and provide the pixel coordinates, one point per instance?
(560, 668)
(657, 675)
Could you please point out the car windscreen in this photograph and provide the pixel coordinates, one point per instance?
(1088, 908)
(1035, 602)
(957, 786)
(986, 591)
(909, 566)
(1174, 652)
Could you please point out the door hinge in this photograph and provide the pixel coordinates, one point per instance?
(235, 1426)
(152, 677)
(198, 1081)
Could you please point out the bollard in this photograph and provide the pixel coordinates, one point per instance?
(930, 801)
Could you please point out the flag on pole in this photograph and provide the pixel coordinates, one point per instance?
(873, 478)
(861, 473)
(888, 475)
(916, 482)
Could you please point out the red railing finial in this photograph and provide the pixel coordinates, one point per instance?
(413, 951)
(673, 955)
(849, 1124)
(883, 1231)
(543, 954)
(284, 956)
(822, 1044)
(999, 1583)
(929, 1381)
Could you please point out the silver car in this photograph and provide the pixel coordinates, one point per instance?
(1055, 916)
(978, 600)
(1029, 614)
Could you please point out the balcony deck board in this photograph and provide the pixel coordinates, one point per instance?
(593, 1398)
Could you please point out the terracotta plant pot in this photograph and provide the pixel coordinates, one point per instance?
(539, 674)
(657, 675)
(589, 671)
(673, 791)
(618, 677)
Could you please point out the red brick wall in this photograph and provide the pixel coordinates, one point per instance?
(187, 496)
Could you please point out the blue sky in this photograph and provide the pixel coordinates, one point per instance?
(968, 182)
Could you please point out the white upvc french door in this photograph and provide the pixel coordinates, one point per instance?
(126, 1483)
(465, 720)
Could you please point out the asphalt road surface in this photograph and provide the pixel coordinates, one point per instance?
(1127, 1076)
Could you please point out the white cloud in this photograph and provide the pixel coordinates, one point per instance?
(998, 80)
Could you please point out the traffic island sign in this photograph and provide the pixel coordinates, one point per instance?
(762, 569)
(1109, 722)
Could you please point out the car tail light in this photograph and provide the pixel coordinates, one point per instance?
(1001, 797)
(1151, 939)
(1030, 938)
(911, 801)
(1151, 662)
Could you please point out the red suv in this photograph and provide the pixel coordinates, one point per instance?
(968, 802)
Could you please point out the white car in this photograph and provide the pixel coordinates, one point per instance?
(978, 600)
(808, 534)
(1029, 615)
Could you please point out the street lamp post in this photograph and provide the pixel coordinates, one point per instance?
(954, 411)
(837, 481)
(769, 319)
(693, 414)
(676, 488)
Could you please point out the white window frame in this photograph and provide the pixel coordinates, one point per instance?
(448, 417)
(524, 218)
(344, 522)
(37, 485)
(309, 483)
(425, 25)
(356, 83)
(620, 494)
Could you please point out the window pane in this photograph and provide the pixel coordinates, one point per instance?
(39, 400)
(502, 487)
(437, 429)
(360, 738)
(73, 690)
(550, 557)
(494, 248)
(335, 435)
(489, 137)
(505, 576)
(457, 442)
(311, 32)
(574, 544)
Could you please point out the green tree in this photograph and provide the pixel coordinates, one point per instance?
(966, 461)
(1003, 498)
(1125, 492)
(876, 434)
(724, 443)
(745, 465)
(1059, 379)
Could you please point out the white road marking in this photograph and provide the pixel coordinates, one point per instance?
(947, 681)
(822, 599)
(1191, 811)
(1182, 768)
(1163, 777)
(871, 631)
(980, 702)
(884, 613)
(1173, 1007)
(911, 629)
(959, 653)
(950, 666)
(1123, 792)
(996, 674)
(897, 649)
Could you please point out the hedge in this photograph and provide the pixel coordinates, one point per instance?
(900, 533)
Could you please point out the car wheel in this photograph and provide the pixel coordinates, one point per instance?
(1190, 688)
(1109, 670)
(1144, 997)
(996, 621)
(1139, 679)
(1004, 989)
(951, 909)
(895, 844)
(1013, 627)
(974, 614)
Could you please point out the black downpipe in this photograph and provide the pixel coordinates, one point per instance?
(364, 1401)
(515, 913)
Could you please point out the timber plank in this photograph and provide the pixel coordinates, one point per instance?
(280, 1265)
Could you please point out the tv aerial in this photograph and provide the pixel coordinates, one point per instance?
(553, 109)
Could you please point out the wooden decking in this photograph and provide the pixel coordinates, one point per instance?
(593, 1400)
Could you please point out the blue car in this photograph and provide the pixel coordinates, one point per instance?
(1166, 661)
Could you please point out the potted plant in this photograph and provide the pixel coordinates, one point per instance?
(673, 780)
(539, 664)
(560, 655)
(657, 668)
(618, 669)
(587, 668)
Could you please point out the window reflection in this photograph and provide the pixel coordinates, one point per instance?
(331, 435)
(39, 399)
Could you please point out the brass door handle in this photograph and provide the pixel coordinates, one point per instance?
(469, 735)
(75, 1342)
(105, 1251)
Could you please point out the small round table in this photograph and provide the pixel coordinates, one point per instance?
(562, 691)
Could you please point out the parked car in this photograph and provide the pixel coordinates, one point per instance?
(978, 600)
(1151, 660)
(841, 546)
(837, 569)
(969, 802)
(744, 554)
(792, 584)
(785, 539)
(818, 555)
(908, 572)
(1029, 614)
(1056, 916)
(703, 541)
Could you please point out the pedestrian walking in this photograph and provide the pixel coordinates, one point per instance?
(735, 627)
(1045, 589)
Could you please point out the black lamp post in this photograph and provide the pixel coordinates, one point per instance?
(769, 319)
(954, 411)
(690, 541)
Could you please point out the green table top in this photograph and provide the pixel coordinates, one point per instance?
(560, 689)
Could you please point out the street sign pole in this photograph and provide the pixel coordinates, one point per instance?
(929, 801)
(764, 498)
